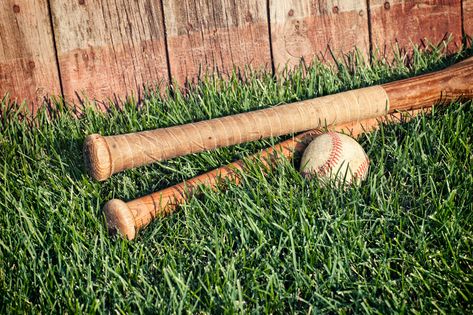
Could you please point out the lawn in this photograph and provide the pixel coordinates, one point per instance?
(401, 242)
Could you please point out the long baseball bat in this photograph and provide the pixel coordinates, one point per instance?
(127, 218)
(105, 156)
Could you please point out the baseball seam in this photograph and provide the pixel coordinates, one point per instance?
(334, 156)
(362, 169)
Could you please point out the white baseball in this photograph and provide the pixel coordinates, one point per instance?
(335, 157)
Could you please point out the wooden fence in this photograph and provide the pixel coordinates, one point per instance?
(111, 48)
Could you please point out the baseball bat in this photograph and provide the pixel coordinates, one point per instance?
(105, 156)
(127, 218)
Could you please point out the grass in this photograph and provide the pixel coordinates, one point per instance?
(402, 242)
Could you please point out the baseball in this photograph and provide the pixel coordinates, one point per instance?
(335, 157)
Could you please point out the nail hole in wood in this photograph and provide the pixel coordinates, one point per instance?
(249, 17)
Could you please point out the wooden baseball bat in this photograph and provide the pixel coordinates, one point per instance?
(105, 156)
(127, 218)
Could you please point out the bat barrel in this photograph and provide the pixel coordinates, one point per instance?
(455, 82)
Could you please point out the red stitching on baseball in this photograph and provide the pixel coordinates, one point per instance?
(335, 154)
(362, 169)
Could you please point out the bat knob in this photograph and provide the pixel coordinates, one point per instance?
(119, 218)
(97, 157)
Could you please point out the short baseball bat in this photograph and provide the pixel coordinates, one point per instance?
(105, 156)
(127, 218)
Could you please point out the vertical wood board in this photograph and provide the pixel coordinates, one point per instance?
(28, 69)
(468, 17)
(215, 36)
(109, 48)
(317, 28)
(406, 21)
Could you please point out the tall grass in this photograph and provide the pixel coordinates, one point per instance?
(278, 243)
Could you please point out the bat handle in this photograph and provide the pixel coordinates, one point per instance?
(120, 218)
(126, 218)
(97, 157)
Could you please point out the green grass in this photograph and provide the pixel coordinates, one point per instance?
(402, 242)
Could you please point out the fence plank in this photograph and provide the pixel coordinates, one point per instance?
(28, 69)
(109, 48)
(322, 28)
(468, 17)
(403, 21)
(215, 36)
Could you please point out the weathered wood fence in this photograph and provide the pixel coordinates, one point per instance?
(107, 48)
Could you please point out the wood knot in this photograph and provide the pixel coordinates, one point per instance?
(40, 93)
(291, 12)
(335, 9)
(387, 5)
(81, 2)
(249, 17)
(31, 64)
(85, 56)
(16, 8)
(361, 13)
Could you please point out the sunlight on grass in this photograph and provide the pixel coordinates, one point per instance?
(277, 243)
